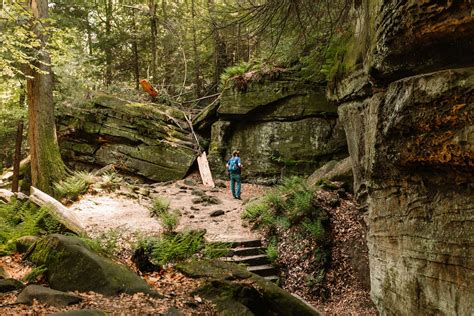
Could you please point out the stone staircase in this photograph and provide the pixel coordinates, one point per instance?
(252, 254)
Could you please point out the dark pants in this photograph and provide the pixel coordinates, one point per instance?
(235, 184)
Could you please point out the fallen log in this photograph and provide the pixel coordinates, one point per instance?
(61, 213)
(6, 195)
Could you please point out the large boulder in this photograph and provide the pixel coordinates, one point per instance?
(408, 121)
(72, 266)
(151, 140)
(235, 291)
(282, 126)
(46, 296)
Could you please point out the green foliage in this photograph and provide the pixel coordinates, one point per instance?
(110, 181)
(315, 228)
(234, 71)
(18, 219)
(254, 210)
(35, 274)
(106, 243)
(272, 250)
(312, 281)
(160, 205)
(214, 250)
(169, 220)
(74, 185)
(171, 248)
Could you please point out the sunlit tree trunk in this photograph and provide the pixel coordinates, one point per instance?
(46, 163)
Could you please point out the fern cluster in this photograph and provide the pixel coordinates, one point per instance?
(18, 219)
(290, 205)
(169, 219)
(73, 186)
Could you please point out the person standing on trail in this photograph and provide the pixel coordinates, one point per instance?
(234, 167)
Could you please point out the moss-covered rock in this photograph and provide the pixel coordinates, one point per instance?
(151, 140)
(73, 266)
(235, 291)
(281, 127)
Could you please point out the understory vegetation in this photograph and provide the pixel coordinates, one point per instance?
(79, 182)
(290, 215)
(18, 219)
(174, 246)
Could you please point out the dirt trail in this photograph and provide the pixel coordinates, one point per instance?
(127, 210)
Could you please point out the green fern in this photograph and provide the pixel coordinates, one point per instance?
(74, 185)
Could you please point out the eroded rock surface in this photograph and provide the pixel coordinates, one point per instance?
(151, 140)
(282, 126)
(408, 121)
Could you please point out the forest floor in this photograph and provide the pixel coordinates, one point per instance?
(127, 210)
(124, 215)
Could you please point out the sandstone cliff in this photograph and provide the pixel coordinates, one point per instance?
(281, 125)
(151, 140)
(406, 104)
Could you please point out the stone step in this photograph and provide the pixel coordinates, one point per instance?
(247, 243)
(272, 278)
(248, 251)
(251, 260)
(263, 270)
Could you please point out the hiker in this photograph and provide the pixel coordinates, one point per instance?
(234, 167)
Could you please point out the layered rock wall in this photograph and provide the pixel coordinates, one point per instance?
(282, 126)
(407, 109)
(150, 140)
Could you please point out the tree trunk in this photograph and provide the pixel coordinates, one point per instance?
(108, 43)
(197, 80)
(136, 63)
(46, 163)
(220, 56)
(154, 34)
(17, 158)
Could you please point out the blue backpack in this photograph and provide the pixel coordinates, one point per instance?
(234, 164)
